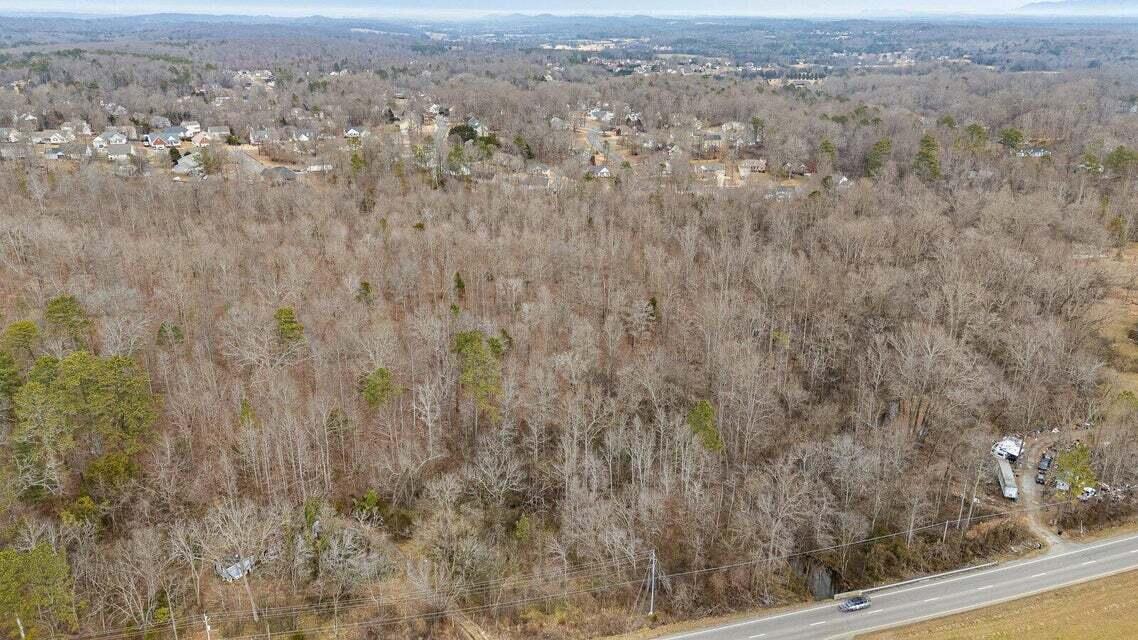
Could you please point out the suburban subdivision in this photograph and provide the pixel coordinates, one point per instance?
(474, 323)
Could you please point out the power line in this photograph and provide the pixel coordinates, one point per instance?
(884, 536)
(445, 612)
(587, 571)
(381, 621)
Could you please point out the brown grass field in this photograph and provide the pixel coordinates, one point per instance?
(1105, 609)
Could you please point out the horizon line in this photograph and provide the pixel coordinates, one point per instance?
(459, 15)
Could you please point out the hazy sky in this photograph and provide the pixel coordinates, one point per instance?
(460, 8)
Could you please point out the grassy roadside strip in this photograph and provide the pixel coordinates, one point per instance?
(1098, 609)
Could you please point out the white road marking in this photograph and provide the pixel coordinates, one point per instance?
(744, 623)
(1089, 562)
(987, 586)
(757, 635)
(1010, 565)
(972, 607)
(814, 624)
(874, 611)
(931, 599)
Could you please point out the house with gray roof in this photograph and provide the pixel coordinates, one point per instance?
(235, 571)
(120, 152)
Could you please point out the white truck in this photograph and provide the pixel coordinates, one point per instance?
(1007, 479)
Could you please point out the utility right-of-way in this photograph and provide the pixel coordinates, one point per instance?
(1061, 566)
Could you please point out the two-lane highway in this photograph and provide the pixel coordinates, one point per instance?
(906, 604)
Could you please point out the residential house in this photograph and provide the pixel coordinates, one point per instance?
(128, 130)
(601, 115)
(176, 133)
(78, 151)
(262, 136)
(798, 168)
(192, 127)
(54, 153)
(189, 164)
(76, 128)
(1033, 152)
(710, 142)
(355, 133)
(235, 571)
(557, 124)
(710, 170)
(200, 139)
(159, 122)
(27, 122)
(598, 172)
(51, 136)
(9, 135)
(752, 166)
(161, 141)
(121, 152)
(219, 134)
(107, 138)
(302, 135)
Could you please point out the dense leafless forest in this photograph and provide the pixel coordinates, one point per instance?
(418, 392)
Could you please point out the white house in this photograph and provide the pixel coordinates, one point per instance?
(752, 165)
(107, 138)
(1010, 448)
(51, 136)
(192, 127)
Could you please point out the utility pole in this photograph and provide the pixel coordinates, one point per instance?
(205, 618)
(968, 521)
(652, 586)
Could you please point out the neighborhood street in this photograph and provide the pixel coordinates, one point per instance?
(915, 602)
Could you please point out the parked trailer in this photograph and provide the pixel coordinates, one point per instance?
(1007, 479)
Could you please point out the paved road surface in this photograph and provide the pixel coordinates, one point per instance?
(911, 603)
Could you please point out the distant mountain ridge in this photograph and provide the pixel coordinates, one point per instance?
(1083, 7)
